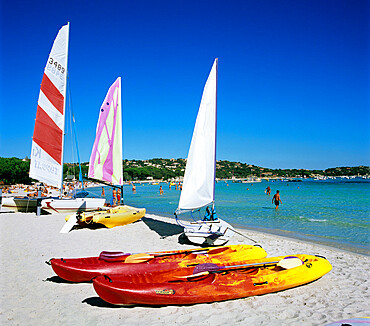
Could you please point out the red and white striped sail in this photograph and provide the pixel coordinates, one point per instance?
(47, 143)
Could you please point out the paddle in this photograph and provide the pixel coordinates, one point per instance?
(137, 258)
(208, 268)
(68, 226)
(142, 257)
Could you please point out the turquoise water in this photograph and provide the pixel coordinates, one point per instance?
(331, 212)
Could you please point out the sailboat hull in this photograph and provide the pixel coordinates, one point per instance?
(21, 204)
(72, 205)
(115, 216)
(210, 233)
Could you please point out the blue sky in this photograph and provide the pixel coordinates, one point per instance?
(293, 77)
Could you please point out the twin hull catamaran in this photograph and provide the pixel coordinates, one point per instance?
(48, 137)
(199, 180)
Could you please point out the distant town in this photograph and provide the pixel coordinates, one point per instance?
(14, 170)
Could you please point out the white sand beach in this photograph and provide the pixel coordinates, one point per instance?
(31, 294)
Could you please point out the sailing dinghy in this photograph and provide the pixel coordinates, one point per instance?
(199, 180)
(48, 138)
(106, 166)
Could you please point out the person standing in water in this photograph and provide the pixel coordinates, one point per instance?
(118, 196)
(268, 190)
(114, 197)
(276, 199)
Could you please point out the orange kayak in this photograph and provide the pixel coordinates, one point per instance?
(84, 269)
(179, 287)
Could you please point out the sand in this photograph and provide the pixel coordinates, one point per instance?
(31, 294)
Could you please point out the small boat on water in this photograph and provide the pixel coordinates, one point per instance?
(212, 283)
(84, 269)
(251, 180)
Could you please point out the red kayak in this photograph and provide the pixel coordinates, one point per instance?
(213, 283)
(84, 269)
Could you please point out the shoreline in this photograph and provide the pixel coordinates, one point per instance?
(331, 242)
(281, 233)
(31, 293)
(292, 236)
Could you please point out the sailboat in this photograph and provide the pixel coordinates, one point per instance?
(105, 166)
(48, 138)
(198, 189)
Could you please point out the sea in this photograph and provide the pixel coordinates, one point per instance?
(333, 212)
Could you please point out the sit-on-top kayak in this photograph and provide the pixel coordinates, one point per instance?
(210, 283)
(84, 269)
(111, 217)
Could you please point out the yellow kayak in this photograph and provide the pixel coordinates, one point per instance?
(210, 282)
(111, 217)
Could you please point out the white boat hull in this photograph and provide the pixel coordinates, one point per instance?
(72, 205)
(8, 202)
(212, 233)
(20, 204)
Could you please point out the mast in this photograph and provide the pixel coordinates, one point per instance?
(65, 107)
(214, 179)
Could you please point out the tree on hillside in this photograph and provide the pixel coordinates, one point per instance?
(13, 170)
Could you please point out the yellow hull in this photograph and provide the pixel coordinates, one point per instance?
(180, 287)
(115, 216)
(232, 255)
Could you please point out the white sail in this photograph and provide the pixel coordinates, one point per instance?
(200, 172)
(47, 142)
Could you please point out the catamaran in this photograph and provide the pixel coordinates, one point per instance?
(106, 166)
(198, 189)
(48, 138)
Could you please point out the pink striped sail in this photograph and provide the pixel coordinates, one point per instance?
(106, 156)
(47, 142)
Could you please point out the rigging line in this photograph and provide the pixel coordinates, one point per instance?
(75, 133)
(67, 124)
(243, 235)
(70, 126)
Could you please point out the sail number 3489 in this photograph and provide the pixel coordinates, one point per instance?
(56, 65)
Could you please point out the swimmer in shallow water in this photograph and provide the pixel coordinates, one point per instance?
(276, 199)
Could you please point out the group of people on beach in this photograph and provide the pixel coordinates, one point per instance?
(276, 199)
(116, 199)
